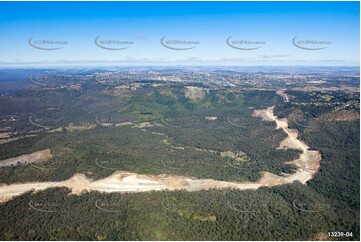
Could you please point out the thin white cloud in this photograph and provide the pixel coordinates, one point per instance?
(264, 59)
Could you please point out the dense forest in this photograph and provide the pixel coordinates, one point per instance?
(182, 141)
(167, 146)
(294, 212)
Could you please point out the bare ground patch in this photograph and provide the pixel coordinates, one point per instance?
(39, 156)
(73, 127)
(195, 93)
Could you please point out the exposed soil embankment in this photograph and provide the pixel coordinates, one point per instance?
(39, 156)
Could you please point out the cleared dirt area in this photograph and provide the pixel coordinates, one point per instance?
(308, 164)
(123, 182)
(195, 93)
(146, 124)
(73, 127)
(39, 156)
(284, 95)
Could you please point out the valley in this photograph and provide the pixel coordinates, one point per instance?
(308, 164)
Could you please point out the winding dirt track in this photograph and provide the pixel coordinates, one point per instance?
(308, 164)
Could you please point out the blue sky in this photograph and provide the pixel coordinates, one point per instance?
(207, 23)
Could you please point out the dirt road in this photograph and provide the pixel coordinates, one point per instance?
(308, 164)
